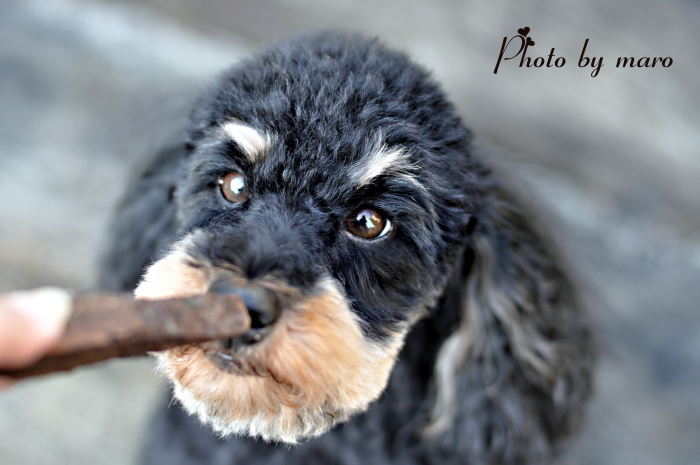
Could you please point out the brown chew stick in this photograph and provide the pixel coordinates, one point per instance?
(103, 326)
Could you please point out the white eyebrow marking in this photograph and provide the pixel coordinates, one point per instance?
(381, 160)
(251, 142)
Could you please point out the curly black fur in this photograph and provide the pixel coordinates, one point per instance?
(498, 371)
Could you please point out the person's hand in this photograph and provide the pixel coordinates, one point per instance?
(31, 322)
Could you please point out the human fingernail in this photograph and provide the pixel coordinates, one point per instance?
(47, 308)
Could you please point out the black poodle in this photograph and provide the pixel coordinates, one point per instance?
(405, 308)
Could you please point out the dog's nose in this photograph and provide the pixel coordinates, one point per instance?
(262, 306)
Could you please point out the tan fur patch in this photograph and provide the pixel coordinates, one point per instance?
(382, 160)
(250, 141)
(312, 371)
(173, 277)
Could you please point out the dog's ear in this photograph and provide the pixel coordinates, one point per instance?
(512, 378)
(144, 224)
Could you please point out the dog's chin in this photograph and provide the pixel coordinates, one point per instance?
(313, 369)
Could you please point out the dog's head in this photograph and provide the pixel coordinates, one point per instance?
(329, 183)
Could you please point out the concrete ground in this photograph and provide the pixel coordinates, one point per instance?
(88, 88)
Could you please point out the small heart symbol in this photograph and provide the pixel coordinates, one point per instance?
(530, 41)
(524, 31)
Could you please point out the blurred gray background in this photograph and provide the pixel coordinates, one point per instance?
(88, 88)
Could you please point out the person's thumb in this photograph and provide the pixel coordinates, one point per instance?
(31, 322)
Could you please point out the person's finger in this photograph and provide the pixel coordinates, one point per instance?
(30, 323)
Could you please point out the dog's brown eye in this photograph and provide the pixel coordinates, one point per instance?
(233, 187)
(368, 223)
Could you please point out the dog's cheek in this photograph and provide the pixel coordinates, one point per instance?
(172, 277)
(321, 350)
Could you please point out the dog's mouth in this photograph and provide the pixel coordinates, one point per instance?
(260, 327)
(238, 356)
(262, 304)
(237, 344)
(234, 355)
